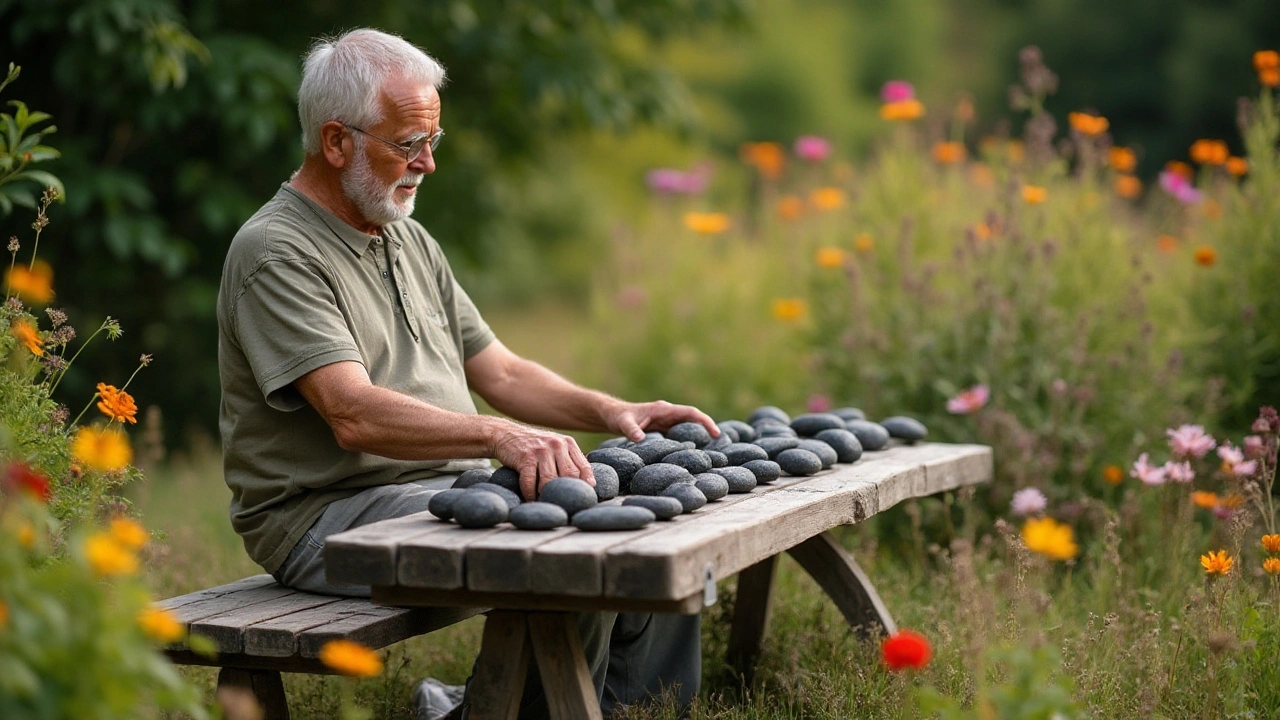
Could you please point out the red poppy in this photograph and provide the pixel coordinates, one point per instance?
(906, 649)
(22, 478)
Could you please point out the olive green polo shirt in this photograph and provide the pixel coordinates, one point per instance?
(302, 289)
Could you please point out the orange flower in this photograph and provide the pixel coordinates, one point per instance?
(33, 284)
(129, 533)
(1209, 152)
(350, 658)
(1128, 186)
(1167, 244)
(4, 615)
(706, 223)
(102, 449)
(1203, 499)
(829, 257)
(790, 207)
(1237, 166)
(1206, 256)
(108, 557)
(1034, 194)
(982, 176)
(1016, 151)
(1217, 563)
(1272, 566)
(27, 536)
(1269, 77)
(1177, 167)
(1211, 209)
(160, 625)
(1271, 543)
(1266, 60)
(1122, 159)
(902, 110)
(117, 404)
(767, 157)
(1086, 124)
(863, 243)
(827, 198)
(28, 336)
(949, 153)
(1113, 474)
(790, 309)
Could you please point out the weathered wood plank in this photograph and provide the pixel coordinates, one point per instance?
(501, 668)
(437, 560)
(182, 656)
(227, 628)
(248, 583)
(401, 596)
(502, 562)
(845, 583)
(753, 601)
(375, 626)
(382, 630)
(566, 681)
(216, 605)
(367, 555)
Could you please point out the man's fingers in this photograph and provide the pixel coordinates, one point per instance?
(584, 466)
(630, 428)
(529, 482)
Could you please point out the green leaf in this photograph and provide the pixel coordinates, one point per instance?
(47, 179)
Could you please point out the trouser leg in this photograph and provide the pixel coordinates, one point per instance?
(653, 653)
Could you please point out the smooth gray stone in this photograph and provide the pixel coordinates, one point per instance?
(695, 461)
(849, 413)
(471, 477)
(510, 498)
(905, 428)
(651, 451)
(871, 435)
(771, 430)
(774, 445)
(441, 504)
(769, 411)
(538, 516)
(729, 429)
(739, 453)
(607, 483)
(719, 443)
(713, 486)
(506, 477)
(690, 497)
(825, 452)
(718, 459)
(479, 509)
(746, 433)
(741, 479)
(690, 432)
(620, 459)
(799, 462)
(613, 517)
(654, 435)
(653, 479)
(572, 494)
(764, 471)
(614, 442)
(811, 424)
(664, 508)
(845, 443)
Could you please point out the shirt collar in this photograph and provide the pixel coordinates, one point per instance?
(357, 241)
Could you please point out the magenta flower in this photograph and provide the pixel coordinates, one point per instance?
(1179, 187)
(1230, 455)
(897, 91)
(1190, 441)
(812, 148)
(1028, 501)
(1253, 446)
(669, 181)
(818, 403)
(969, 401)
(1179, 472)
(1145, 472)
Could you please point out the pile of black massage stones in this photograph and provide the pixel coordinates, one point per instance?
(666, 475)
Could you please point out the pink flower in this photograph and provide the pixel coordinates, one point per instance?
(632, 297)
(1028, 501)
(818, 403)
(897, 91)
(969, 401)
(1253, 446)
(1179, 472)
(1244, 469)
(1190, 441)
(1147, 473)
(1230, 455)
(1179, 187)
(812, 148)
(669, 181)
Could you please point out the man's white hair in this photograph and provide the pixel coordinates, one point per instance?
(342, 79)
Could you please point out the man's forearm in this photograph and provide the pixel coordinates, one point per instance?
(531, 393)
(388, 423)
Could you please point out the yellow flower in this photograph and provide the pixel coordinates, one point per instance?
(1205, 255)
(102, 449)
(790, 207)
(1237, 166)
(28, 335)
(1209, 152)
(1122, 159)
(827, 198)
(129, 533)
(33, 284)
(107, 557)
(767, 157)
(1050, 538)
(829, 257)
(1087, 124)
(863, 243)
(1113, 474)
(902, 110)
(706, 223)
(1272, 566)
(1034, 194)
(790, 309)
(350, 658)
(1217, 563)
(26, 536)
(1206, 500)
(1128, 186)
(948, 153)
(1271, 543)
(160, 625)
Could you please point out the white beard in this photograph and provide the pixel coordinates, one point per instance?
(375, 201)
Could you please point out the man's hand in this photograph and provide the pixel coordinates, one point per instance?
(633, 419)
(540, 455)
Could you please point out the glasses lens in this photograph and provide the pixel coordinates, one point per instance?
(422, 143)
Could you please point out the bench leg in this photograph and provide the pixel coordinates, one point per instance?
(510, 637)
(835, 570)
(266, 686)
(563, 665)
(499, 676)
(752, 603)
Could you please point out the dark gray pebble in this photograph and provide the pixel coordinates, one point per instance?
(664, 508)
(774, 445)
(695, 461)
(811, 424)
(651, 451)
(713, 486)
(799, 462)
(746, 433)
(741, 479)
(479, 509)
(849, 413)
(730, 430)
(572, 494)
(690, 432)
(510, 498)
(471, 477)
(905, 428)
(653, 479)
(739, 453)
(825, 452)
(607, 484)
(871, 435)
(845, 443)
(625, 462)
(718, 459)
(613, 517)
(690, 497)
(441, 504)
(769, 411)
(506, 477)
(615, 442)
(538, 516)
(719, 443)
(768, 431)
(764, 471)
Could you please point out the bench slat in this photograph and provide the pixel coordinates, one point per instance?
(227, 628)
(224, 602)
(370, 552)
(376, 630)
(248, 583)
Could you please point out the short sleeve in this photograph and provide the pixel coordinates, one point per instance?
(476, 334)
(287, 323)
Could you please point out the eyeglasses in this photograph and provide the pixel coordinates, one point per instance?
(411, 150)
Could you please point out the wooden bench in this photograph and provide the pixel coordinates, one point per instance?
(261, 629)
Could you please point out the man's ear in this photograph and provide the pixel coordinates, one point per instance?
(333, 143)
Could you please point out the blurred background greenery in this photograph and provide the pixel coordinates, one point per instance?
(176, 121)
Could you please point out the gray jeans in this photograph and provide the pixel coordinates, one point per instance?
(632, 656)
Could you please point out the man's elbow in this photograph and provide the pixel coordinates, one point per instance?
(349, 434)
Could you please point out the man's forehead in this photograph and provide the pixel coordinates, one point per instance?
(400, 94)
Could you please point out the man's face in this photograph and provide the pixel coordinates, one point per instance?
(378, 181)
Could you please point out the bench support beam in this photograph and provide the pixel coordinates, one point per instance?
(752, 605)
(510, 638)
(828, 563)
(266, 686)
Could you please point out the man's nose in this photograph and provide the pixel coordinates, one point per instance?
(425, 163)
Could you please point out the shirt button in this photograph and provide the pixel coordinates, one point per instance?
(405, 293)
(384, 273)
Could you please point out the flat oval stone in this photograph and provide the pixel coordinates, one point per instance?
(719, 443)
(764, 471)
(746, 433)
(849, 413)
(570, 493)
(690, 497)
(825, 452)
(607, 484)
(538, 516)
(741, 479)
(695, 461)
(664, 508)
(690, 432)
(510, 498)
(770, 425)
(625, 462)
(471, 477)
(799, 462)
(441, 504)
(739, 453)
(654, 435)
(713, 486)
(769, 411)
(613, 517)
(653, 479)
(613, 442)
(871, 435)
(727, 428)
(845, 443)
(905, 428)
(811, 424)
(506, 477)
(718, 459)
(774, 445)
(479, 509)
(651, 451)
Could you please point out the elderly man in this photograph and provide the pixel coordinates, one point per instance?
(346, 350)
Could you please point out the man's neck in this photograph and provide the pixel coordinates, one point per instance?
(322, 186)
